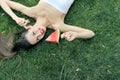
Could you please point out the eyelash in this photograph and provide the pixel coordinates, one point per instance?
(33, 33)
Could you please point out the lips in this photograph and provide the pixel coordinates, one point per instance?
(42, 31)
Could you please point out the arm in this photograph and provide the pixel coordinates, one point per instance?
(19, 7)
(72, 32)
(6, 8)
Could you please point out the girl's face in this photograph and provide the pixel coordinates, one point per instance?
(35, 34)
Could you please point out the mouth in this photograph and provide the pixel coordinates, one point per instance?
(42, 31)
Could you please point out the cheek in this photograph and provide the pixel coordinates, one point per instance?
(39, 37)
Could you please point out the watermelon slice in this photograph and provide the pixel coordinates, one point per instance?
(54, 37)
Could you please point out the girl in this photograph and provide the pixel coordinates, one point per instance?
(48, 14)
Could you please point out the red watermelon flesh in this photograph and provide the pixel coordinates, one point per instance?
(54, 37)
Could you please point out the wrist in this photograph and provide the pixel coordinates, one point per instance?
(15, 18)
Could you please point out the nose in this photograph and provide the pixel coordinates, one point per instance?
(38, 33)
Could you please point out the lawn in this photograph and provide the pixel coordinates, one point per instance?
(94, 59)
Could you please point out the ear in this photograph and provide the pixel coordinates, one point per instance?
(28, 27)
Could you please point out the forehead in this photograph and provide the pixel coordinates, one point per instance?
(30, 37)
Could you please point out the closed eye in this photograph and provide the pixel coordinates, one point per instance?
(33, 33)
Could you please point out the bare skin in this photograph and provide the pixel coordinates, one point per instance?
(20, 21)
(47, 16)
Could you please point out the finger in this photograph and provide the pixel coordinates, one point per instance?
(28, 27)
(71, 39)
(25, 27)
(24, 22)
(62, 35)
(28, 21)
(21, 21)
(68, 38)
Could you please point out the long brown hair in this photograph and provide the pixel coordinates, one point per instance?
(8, 49)
(6, 45)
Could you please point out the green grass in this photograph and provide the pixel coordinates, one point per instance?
(94, 59)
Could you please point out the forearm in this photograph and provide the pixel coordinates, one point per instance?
(85, 34)
(7, 9)
(77, 31)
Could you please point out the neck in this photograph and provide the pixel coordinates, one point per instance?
(41, 22)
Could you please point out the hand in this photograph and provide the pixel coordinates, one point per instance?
(70, 35)
(22, 21)
(28, 27)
